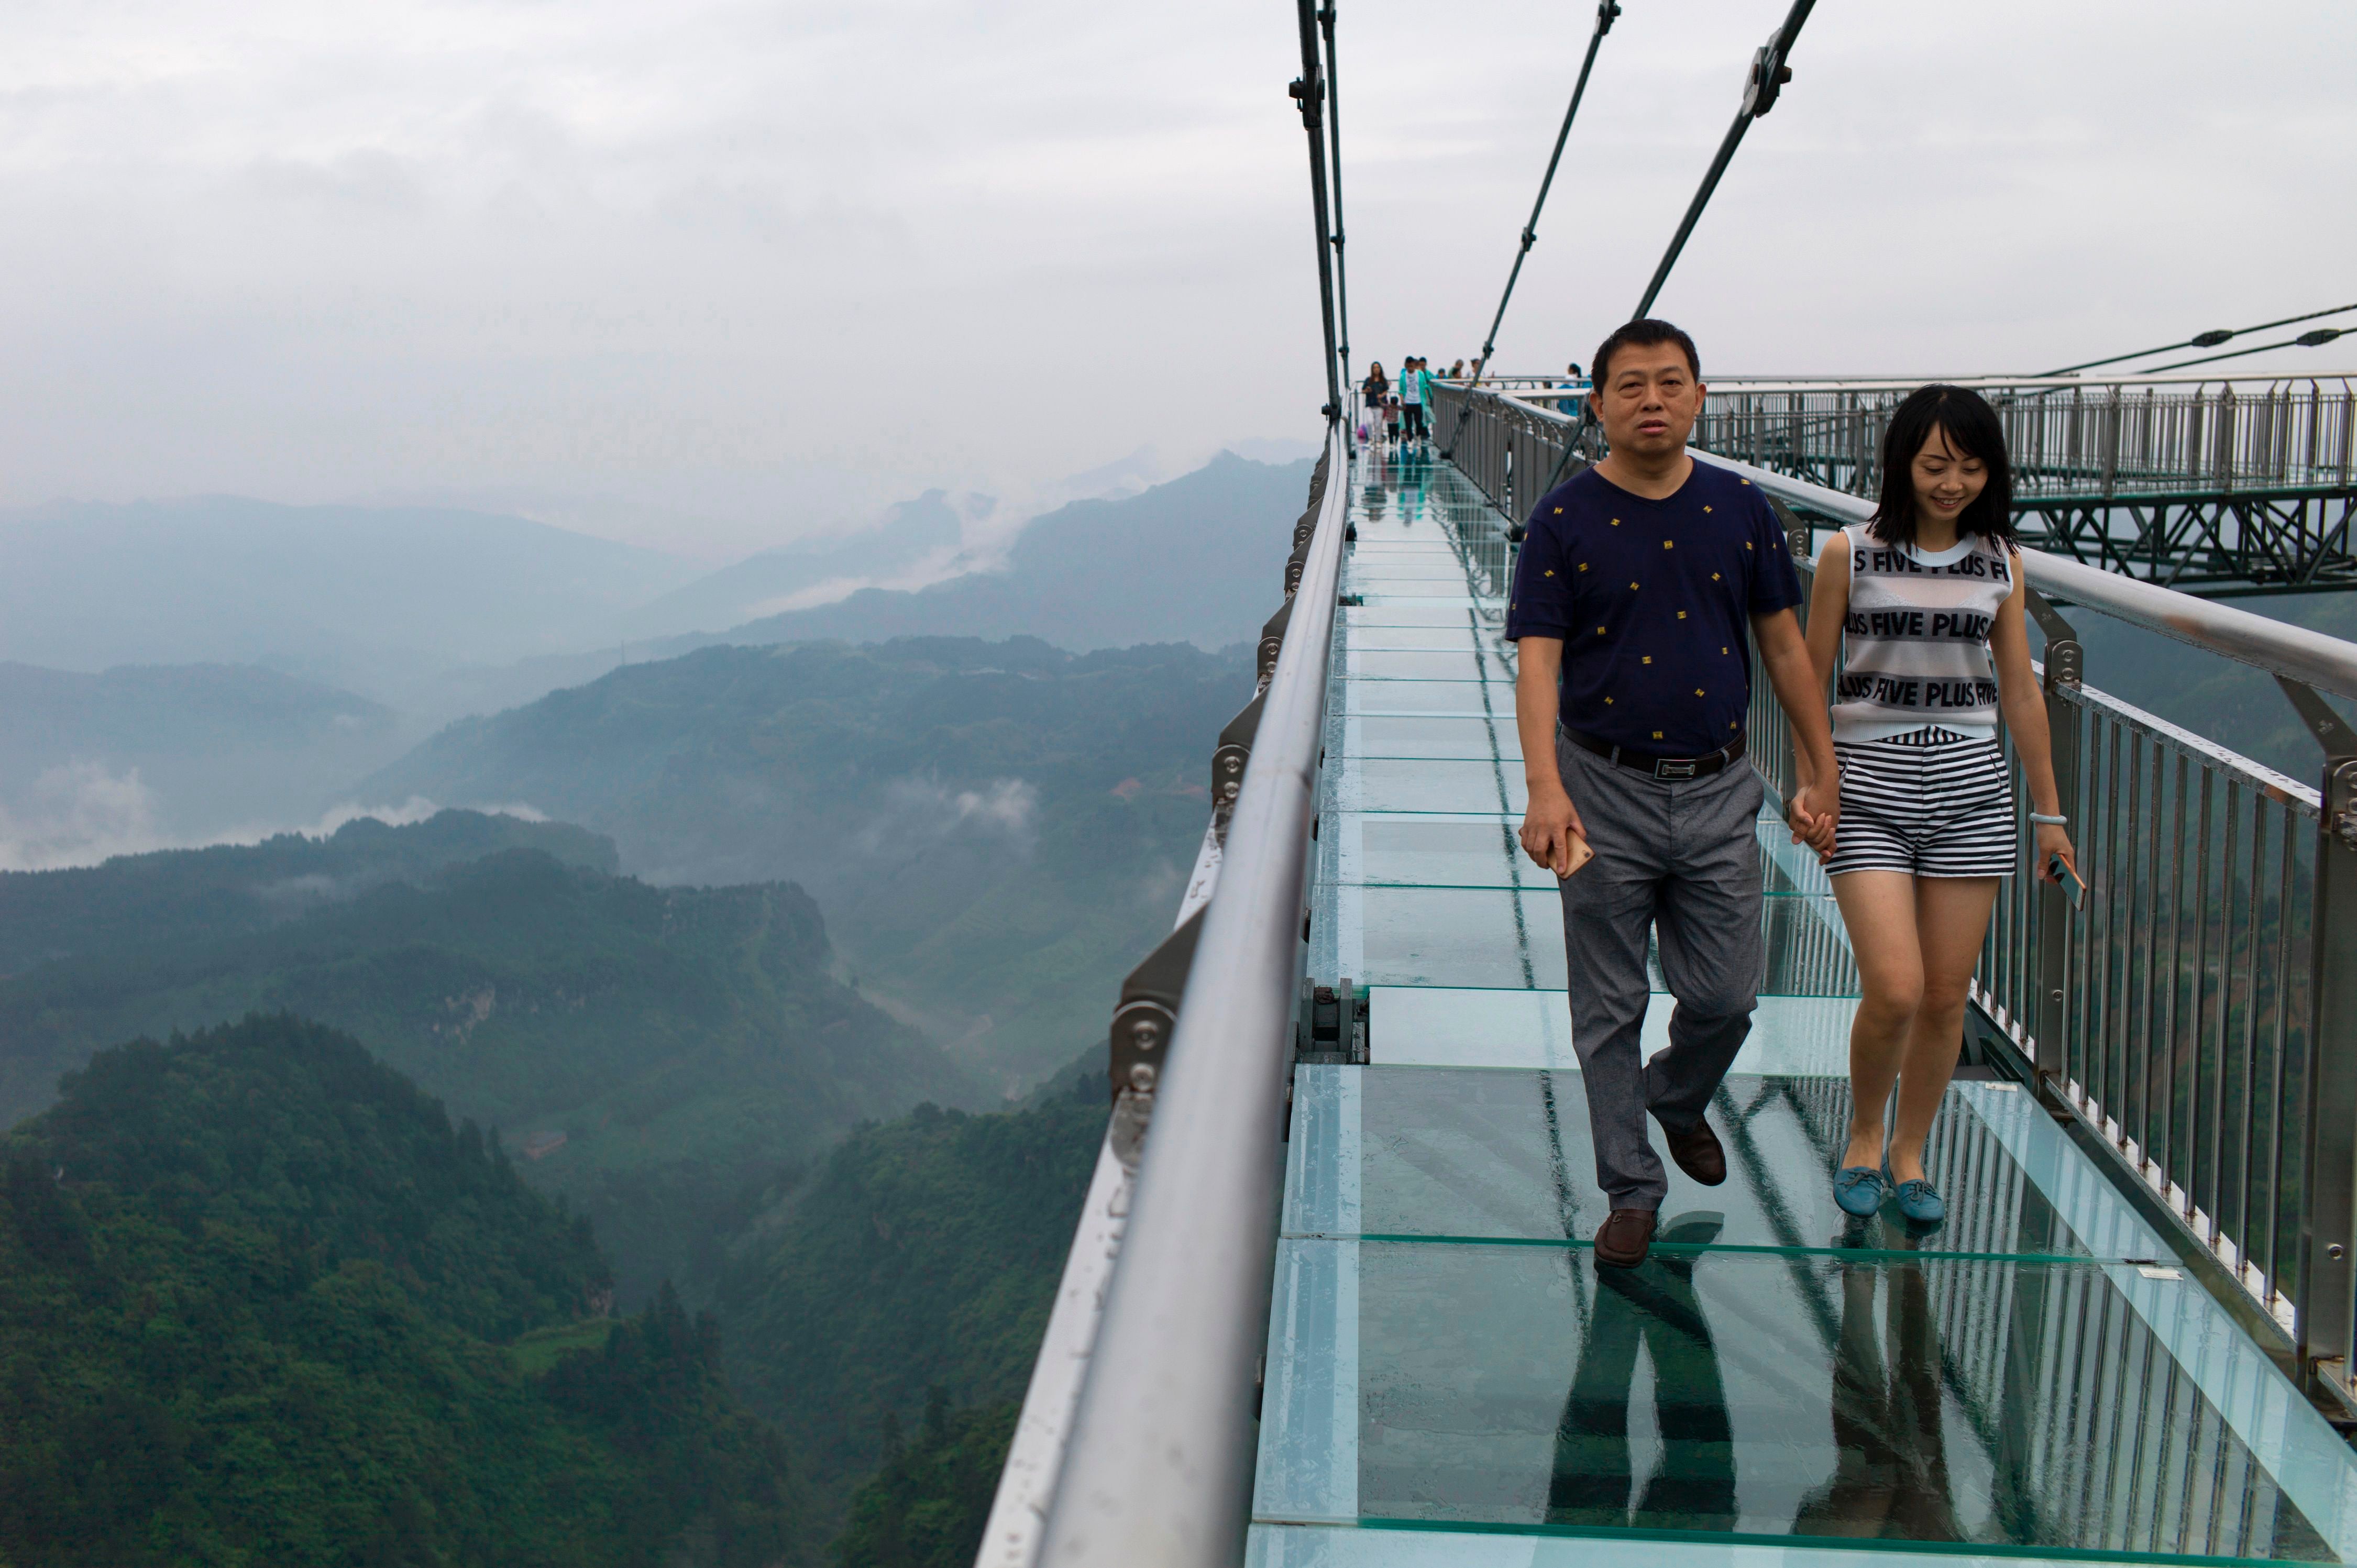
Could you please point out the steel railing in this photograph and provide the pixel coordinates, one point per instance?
(2067, 439)
(1135, 1442)
(2198, 1016)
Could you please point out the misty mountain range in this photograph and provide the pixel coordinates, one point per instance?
(184, 672)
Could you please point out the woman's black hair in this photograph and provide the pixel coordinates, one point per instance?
(1973, 430)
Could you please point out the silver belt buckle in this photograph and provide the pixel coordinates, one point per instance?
(1665, 768)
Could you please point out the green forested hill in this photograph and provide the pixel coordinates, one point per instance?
(997, 830)
(254, 1299)
(686, 1043)
(921, 1254)
(139, 903)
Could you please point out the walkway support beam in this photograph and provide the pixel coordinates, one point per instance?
(1159, 1471)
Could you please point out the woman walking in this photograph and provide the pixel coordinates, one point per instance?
(1924, 600)
(1372, 393)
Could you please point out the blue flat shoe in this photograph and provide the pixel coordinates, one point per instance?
(1859, 1190)
(1918, 1200)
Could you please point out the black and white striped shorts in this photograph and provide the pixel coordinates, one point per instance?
(1932, 803)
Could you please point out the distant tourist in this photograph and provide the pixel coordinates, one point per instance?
(1924, 602)
(1571, 377)
(1372, 394)
(1457, 372)
(1411, 398)
(1639, 580)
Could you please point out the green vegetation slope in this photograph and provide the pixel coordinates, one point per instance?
(921, 1255)
(253, 1294)
(997, 830)
(137, 903)
(660, 1050)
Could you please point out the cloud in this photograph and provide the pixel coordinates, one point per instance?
(81, 813)
(920, 811)
(668, 270)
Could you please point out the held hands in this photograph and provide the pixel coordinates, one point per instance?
(1815, 811)
(1550, 824)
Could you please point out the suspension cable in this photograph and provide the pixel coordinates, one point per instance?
(1309, 90)
(2210, 340)
(1606, 12)
(1334, 146)
(2315, 338)
(1768, 75)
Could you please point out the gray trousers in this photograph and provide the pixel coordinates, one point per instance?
(1681, 859)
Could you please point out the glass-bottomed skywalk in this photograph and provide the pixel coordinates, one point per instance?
(1451, 1381)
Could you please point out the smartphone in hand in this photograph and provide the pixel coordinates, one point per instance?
(2073, 887)
(1580, 855)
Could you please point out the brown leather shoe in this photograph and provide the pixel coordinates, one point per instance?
(1624, 1237)
(1697, 1153)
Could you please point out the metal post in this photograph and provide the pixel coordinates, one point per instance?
(2066, 669)
(1342, 274)
(1309, 89)
(2322, 1321)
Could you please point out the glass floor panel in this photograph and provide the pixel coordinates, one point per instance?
(1479, 736)
(1461, 663)
(1424, 697)
(1716, 1397)
(1438, 849)
(1451, 1382)
(1392, 612)
(1384, 844)
(1459, 638)
(1497, 937)
(1481, 1154)
(1432, 784)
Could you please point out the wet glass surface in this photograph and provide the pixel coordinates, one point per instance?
(1440, 734)
(1424, 697)
(1402, 664)
(1410, 615)
(1453, 936)
(1433, 784)
(1939, 1401)
(1433, 849)
(1451, 1383)
(1488, 1154)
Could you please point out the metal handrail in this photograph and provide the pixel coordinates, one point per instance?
(2273, 645)
(1158, 1471)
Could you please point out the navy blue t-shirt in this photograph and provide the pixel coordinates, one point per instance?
(1652, 599)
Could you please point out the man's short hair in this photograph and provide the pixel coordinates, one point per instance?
(1642, 333)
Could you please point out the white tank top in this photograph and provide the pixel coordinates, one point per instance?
(1916, 646)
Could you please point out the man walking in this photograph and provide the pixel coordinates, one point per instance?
(1631, 601)
(1411, 396)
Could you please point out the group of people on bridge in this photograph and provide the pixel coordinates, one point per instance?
(1398, 413)
(1637, 585)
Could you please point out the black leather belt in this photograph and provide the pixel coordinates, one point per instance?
(1671, 768)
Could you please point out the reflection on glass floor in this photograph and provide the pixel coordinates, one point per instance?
(1451, 1382)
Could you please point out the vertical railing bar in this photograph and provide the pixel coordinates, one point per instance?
(2256, 970)
(2282, 1045)
(2166, 1136)
(2246, 1235)
(2149, 1023)
(2124, 927)
(2137, 1020)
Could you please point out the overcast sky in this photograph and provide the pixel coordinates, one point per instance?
(709, 275)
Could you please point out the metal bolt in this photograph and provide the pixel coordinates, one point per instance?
(2336, 1251)
(1141, 1078)
(2345, 825)
(2055, 995)
(1146, 1035)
